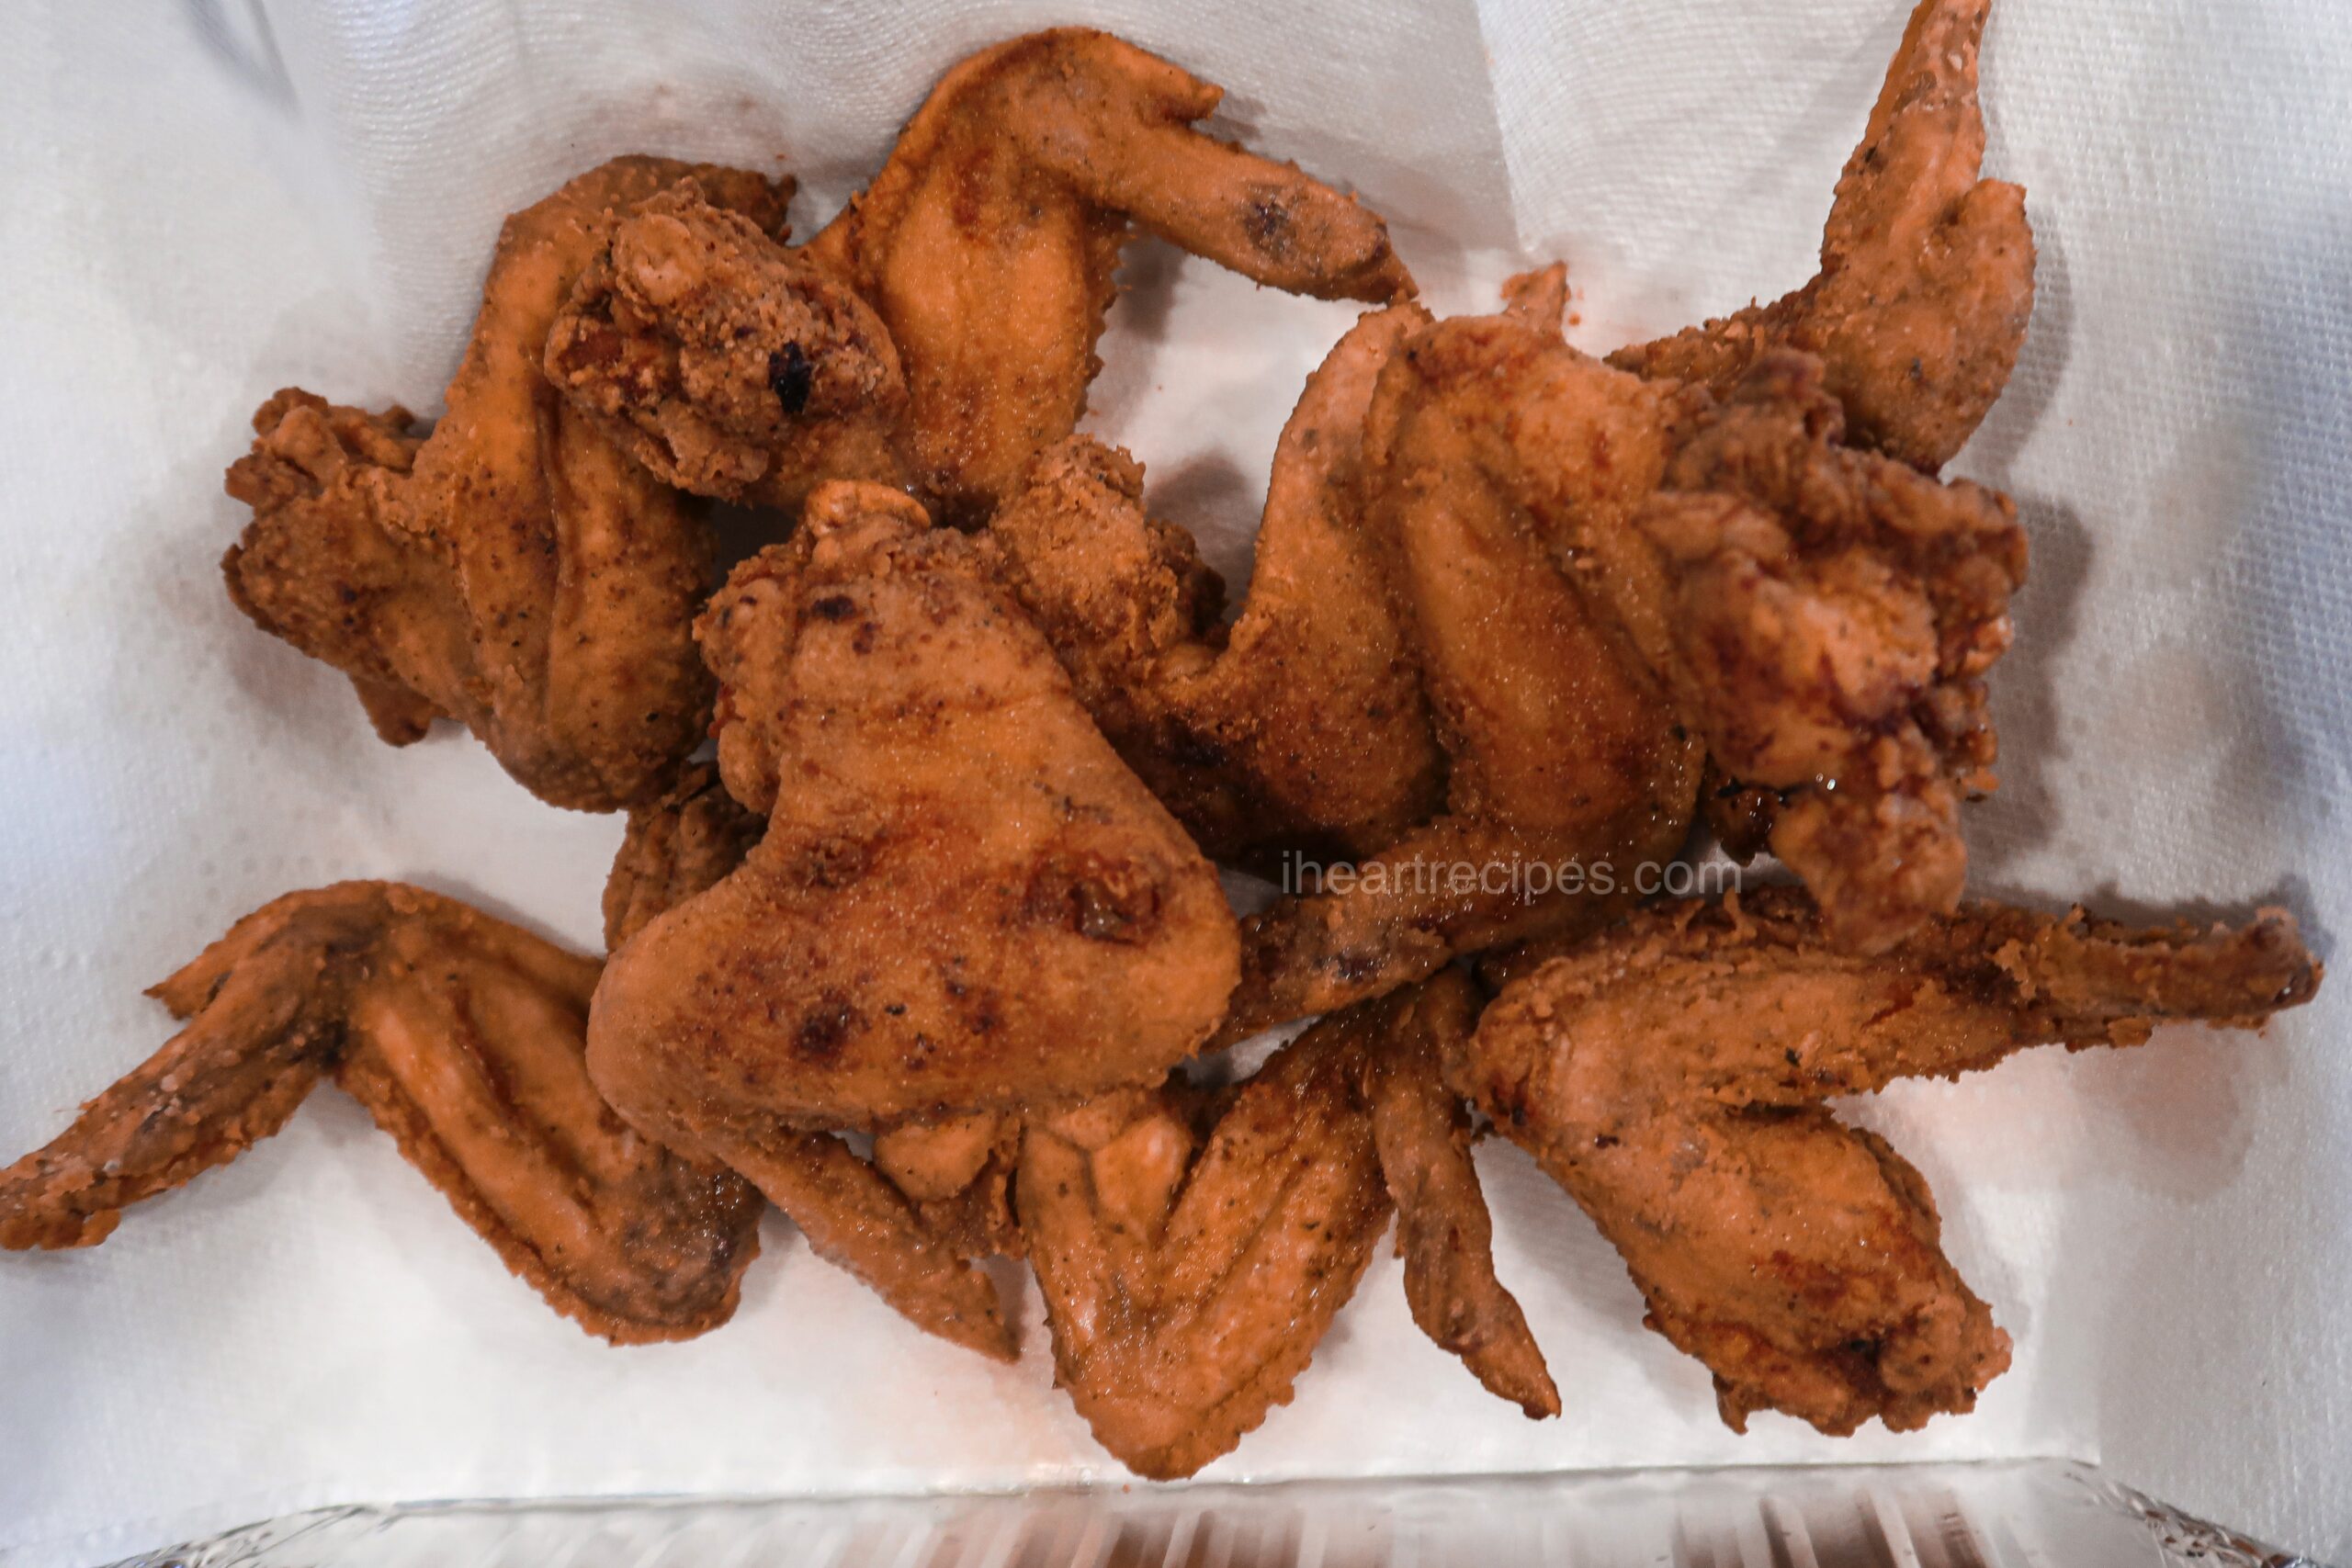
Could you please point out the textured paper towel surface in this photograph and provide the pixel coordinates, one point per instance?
(193, 211)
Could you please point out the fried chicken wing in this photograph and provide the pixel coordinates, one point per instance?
(329, 563)
(1926, 270)
(1444, 1232)
(463, 1037)
(962, 901)
(1188, 1281)
(725, 363)
(959, 883)
(1669, 1076)
(935, 1195)
(1194, 1249)
(514, 570)
(1304, 726)
(987, 241)
(1569, 765)
(1730, 574)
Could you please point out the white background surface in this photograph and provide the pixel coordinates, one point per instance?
(190, 217)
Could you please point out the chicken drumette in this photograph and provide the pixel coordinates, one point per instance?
(463, 1037)
(1670, 1075)
(514, 570)
(1827, 618)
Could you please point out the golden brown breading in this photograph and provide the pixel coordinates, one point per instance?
(463, 1037)
(1125, 601)
(1302, 728)
(1188, 1282)
(987, 241)
(725, 363)
(1927, 271)
(962, 899)
(1443, 1229)
(1670, 1076)
(513, 570)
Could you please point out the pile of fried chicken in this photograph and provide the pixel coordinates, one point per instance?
(930, 955)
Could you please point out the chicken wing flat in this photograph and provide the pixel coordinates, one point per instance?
(463, 1037)
(1304, 726)
(937, 1194)
(1189, 1272)
(1926, 270)
(1670, 1076)
(1444, 1232)
(1569, 765)
(513, 570)
(904, 1225)
(987, 241)
(726, 364)
(962, 899)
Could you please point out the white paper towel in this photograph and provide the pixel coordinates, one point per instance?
(199, 204)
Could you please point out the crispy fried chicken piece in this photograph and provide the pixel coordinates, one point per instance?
(962, 901)
(937, 1194)
(1190, 1264)
(513, 570)
(1570, 766)
(725, 363)
(1670, 1076)
(1304, 727)
(1443, 1229)
(462, 1036)
(1927, 271)
(329, 562)
(1821, 619)
(1826, 619)
(987, 241)
(674, 849)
